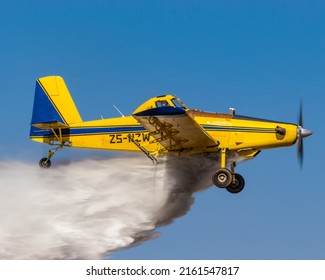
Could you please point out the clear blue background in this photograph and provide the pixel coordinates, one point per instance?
(257, 56)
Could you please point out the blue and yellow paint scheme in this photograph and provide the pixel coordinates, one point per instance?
(162, 125)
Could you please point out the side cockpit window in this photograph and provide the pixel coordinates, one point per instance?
(162, 103)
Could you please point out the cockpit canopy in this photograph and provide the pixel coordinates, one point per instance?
(161, 101)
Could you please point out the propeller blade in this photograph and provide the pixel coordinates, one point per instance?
(300, 119)
(300, 145)
(300, 151)
(301, 133)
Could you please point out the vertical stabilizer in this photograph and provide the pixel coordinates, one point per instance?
(53, 107)
(53, 102)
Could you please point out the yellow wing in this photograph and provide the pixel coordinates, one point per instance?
(174, 129)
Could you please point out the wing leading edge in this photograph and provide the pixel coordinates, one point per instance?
(174, 129)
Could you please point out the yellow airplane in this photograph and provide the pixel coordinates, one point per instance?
(162, 125)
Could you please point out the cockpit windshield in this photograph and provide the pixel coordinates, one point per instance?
(178, 103)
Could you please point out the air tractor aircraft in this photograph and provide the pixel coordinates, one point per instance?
(162, 125)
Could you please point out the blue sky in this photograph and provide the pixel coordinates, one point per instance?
(260, 57)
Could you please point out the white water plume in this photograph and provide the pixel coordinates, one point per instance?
(88, 208)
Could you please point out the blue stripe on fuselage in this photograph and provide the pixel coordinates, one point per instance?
(238, 129)
(87, 130)
(100, 130)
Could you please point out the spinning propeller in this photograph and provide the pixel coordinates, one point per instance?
(301, 133)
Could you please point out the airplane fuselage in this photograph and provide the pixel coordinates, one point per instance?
(229, 131)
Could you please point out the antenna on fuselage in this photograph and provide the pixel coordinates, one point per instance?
(118, 111)
(232, 111)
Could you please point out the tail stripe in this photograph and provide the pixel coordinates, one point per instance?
(44, 110)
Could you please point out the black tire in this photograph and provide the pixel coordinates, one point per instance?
(222, 178)
(45, 163)
(238, 186)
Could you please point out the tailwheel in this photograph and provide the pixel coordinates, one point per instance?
(222, 178)
(237, 185)
(45, 163)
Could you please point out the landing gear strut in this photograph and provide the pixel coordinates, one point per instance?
(228, 179)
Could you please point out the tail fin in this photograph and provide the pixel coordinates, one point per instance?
(52, 104)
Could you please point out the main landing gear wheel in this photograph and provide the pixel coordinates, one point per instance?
(45, 163)
(222, 178)
(238, 185)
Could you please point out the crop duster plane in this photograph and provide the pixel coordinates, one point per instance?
(162, 125)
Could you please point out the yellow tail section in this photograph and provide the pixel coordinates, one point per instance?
(58, 94)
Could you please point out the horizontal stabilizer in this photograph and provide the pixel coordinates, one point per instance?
(50, 125)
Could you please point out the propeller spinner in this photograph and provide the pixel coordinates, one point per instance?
(301, 133)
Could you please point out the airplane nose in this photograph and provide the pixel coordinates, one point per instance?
(304, 132)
